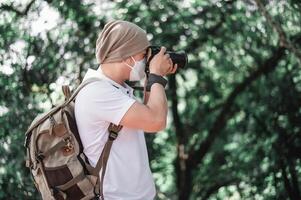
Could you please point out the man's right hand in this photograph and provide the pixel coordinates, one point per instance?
(162, 64)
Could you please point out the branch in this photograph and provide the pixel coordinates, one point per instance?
(18, 12)
(225, 114)
(212, 189)
(195, 157)
(27, 84)
(213, 30)
(283, 39)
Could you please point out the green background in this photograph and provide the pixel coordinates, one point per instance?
(234, 125)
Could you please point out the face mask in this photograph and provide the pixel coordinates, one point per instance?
(138, 70)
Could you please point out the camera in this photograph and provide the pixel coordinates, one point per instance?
(179, 58)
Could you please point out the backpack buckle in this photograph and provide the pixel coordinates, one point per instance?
(40, 157)
(113, 135)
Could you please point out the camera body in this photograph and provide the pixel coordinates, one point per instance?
(179, 58)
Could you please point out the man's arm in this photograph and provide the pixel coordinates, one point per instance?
(151, 116)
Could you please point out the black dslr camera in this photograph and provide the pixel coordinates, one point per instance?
(179, 58)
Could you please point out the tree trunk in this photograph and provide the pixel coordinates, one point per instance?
(184, 179)
(286, 181)
(294, 177)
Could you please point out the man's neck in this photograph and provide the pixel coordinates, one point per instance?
(112, 75)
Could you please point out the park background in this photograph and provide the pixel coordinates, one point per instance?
(234, 125)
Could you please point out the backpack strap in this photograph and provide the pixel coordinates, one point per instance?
(83, 84)
(36, 123)
(103, 159)
(66, 91)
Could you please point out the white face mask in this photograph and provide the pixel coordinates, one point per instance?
(138, 70)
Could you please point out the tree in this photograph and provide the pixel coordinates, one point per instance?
(234, 119)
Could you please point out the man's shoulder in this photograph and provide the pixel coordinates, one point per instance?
(99, 88)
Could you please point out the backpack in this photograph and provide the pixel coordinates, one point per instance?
(54, 153)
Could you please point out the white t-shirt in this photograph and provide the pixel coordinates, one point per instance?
(128, 176)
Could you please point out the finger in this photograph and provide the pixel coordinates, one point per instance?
(162, 51)
(170, 67)
(170, 61)
(175, 68)
(171, 64)
(167, 55)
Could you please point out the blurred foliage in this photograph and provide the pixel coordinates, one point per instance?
(234, 121)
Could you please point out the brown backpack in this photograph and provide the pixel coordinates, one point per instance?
(55, 155)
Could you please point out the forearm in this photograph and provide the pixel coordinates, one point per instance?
(157, 101)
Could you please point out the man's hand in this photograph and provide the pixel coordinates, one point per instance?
(162, 64)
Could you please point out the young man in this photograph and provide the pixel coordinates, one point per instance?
(120, 50)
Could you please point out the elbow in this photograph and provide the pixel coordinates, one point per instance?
(157, 122)
(160, 125)
(155, 126)
(163, 125)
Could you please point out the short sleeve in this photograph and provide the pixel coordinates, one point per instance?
(108, 103)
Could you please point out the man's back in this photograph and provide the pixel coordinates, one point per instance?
(128, 175)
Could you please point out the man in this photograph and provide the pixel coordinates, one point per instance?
(120, 50)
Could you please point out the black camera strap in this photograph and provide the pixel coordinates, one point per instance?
(154, 78)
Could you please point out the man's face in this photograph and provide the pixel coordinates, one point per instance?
(137, 57)
(130, 62)
(140, 55)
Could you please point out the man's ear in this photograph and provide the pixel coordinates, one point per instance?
(128, 60)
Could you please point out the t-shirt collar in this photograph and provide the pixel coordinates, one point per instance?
(98, 73)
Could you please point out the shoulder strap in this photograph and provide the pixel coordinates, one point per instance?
(66, 91)
(103, 159)
(83, 84)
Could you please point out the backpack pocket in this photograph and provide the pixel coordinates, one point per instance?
(70, 181)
